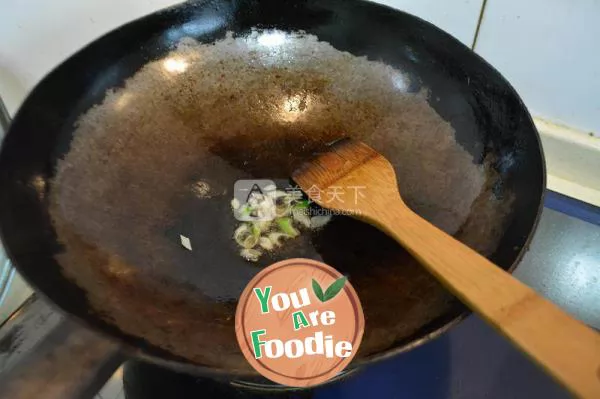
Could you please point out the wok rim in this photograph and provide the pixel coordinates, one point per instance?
(183, 365)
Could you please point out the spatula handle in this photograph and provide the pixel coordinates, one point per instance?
(565, 347)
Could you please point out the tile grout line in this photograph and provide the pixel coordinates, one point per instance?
(479, 21)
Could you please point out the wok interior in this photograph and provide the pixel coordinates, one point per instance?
(257, 106)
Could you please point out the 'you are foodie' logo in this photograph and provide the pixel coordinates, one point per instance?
(299, 322)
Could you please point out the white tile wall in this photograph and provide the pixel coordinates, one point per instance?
(38, 34)
(550, 51)
(546, 48)
(457, 17)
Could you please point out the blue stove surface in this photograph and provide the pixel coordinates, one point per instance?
(473, 361)
(470, 361)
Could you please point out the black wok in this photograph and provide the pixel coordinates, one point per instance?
(490, 121)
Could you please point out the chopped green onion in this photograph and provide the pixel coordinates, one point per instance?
(300, 216)
(251, 255)
(285, 225)
(250, 242)
(245, 210)
(276, 237)
(283, 205)
(266, 243)
(261, 226)
(302, 204)
(241, 230)
(280, 212)
(316, 222)
(277, 194)
(244, 236)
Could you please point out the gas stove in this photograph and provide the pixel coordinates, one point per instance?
(469, 361)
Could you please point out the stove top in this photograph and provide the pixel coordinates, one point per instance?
(469, 361)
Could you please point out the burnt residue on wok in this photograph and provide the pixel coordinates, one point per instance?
(242, 108)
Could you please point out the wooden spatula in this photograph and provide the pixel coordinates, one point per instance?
(566, 348)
